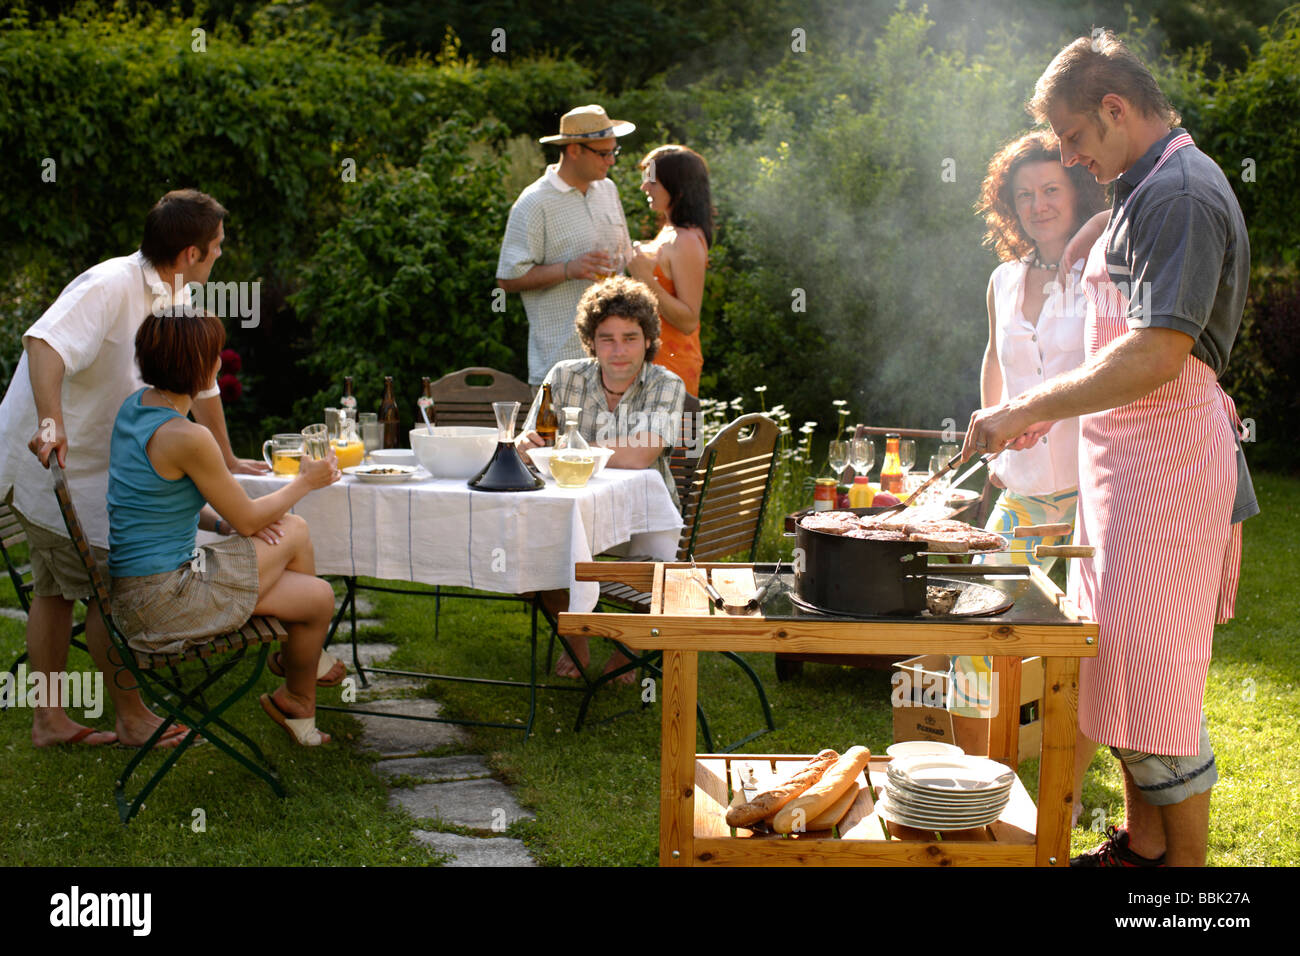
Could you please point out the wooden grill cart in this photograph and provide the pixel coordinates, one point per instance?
(694, 788)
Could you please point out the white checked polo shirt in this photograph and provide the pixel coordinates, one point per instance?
(92, 327)
(552, 221)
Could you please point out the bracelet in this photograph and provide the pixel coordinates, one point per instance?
(217, 527)
(566, 268)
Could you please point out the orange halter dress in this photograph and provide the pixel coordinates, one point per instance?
(679, 352)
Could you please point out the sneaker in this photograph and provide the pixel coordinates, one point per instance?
(1115, 852)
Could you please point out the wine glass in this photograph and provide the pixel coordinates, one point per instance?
(948, 451)
(862, 455)
(838, 457)
(906, 455)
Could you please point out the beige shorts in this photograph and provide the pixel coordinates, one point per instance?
(212, 595)
(57, 569)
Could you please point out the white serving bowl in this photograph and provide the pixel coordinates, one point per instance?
(542, 459)
(393, 456)
(453, 451)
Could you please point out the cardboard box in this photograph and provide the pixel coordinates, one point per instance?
(919, 693)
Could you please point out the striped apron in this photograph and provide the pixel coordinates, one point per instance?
(1156, 483)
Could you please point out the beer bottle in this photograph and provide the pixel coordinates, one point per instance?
(548, 423)
(348, 401)
(388, 416)
(425, 401)
(891, 470)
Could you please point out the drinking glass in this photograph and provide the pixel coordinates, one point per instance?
(612, 240)
(906, 454)
(283, 453)
(317, 439)
(372, 433)
(838, 457)
(939, 490)
(948, 451)
(862, 455)
(333, 423)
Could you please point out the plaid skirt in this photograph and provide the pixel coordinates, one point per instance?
(212, 595)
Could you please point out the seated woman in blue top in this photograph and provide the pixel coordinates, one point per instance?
(162, 469)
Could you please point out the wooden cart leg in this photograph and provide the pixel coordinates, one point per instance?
(677, 759)
(1056, 770)
(1004, 726)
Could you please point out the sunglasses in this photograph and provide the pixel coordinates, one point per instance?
(603, 153)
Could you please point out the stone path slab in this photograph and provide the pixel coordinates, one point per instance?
(476, 851)
(476, 804)
(435, 769)
(406, 738)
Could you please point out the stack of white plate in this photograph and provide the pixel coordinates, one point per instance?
(945, 792)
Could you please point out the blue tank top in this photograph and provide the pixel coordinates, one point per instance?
(152, 520)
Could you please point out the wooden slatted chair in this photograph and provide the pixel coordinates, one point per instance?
(13, 537)
(465, 397)
(722, 514)
(158, 678)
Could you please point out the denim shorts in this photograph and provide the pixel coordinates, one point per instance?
(1164, 781)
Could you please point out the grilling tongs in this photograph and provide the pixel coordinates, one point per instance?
(952, 464)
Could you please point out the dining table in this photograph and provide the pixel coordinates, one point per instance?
(439, 531)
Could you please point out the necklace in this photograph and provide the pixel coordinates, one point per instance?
(1038, 263)
(609, 390)
(163, 396)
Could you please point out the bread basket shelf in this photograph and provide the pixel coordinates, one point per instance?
(695, 789)
(862, 838)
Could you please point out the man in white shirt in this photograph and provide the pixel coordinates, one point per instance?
(561, 232)
(77, 368)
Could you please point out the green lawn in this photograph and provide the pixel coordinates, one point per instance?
(595, 793)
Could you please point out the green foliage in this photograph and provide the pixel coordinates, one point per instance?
(403, 285)
(129, 107)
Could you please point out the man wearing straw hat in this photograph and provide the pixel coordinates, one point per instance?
(564, 232)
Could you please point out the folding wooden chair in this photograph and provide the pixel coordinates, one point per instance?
(158, 678)
(722, 512)
(13, 536)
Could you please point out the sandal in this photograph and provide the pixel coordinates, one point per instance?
(301, 729)
(326, 664)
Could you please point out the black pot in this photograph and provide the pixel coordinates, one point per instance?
(855, 575)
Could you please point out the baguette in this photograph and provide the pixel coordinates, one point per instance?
(774, 798)
(835, 813)
(817, 799)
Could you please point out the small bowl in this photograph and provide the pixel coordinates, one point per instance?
(541, 457)
(393, 456)
(453, 451)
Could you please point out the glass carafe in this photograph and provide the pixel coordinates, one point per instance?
(573, 462)
(506, 470)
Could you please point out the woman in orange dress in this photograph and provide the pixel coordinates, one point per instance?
(676, 183)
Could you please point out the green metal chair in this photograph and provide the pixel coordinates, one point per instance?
(160, 682)
(13, 536)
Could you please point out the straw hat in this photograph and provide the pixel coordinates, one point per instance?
(588, 122)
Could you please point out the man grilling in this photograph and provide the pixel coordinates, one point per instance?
(1159, 457)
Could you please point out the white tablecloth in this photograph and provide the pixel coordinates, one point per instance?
(440, 532)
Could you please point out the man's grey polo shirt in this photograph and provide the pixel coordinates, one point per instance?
(550, 222)
(1181, 250)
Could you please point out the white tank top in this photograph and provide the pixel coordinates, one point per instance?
(1030, 355)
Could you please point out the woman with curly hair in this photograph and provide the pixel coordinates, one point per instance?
(672, 264)
(1032, 205)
